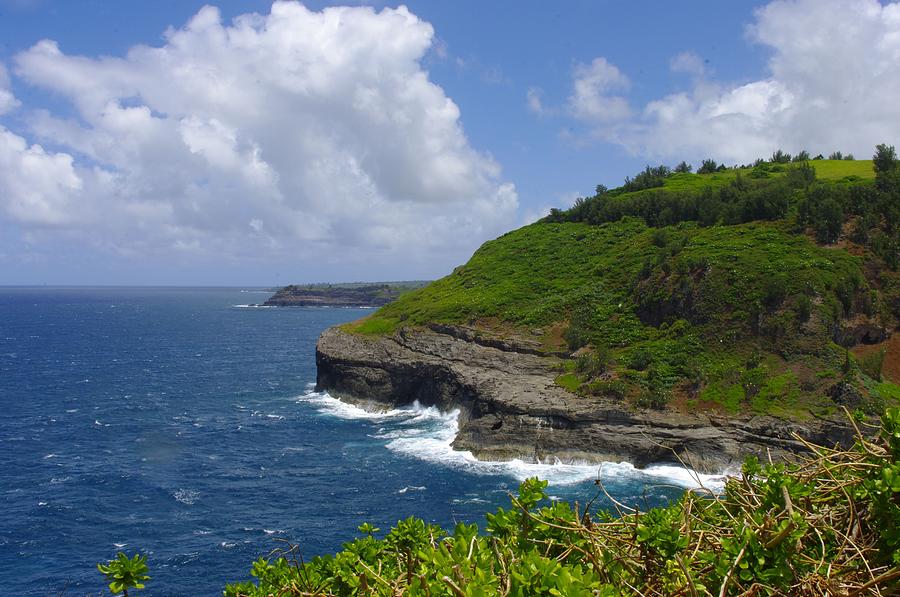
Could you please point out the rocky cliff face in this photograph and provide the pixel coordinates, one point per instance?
(511, 407)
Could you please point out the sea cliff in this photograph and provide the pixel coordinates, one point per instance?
(510, 406)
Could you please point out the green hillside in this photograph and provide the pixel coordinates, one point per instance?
(770, 288)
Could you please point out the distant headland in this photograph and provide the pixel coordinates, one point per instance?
(354, 294)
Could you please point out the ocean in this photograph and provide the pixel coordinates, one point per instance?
(183, 423)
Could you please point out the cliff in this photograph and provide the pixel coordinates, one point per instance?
(705, 316)
(511, 406)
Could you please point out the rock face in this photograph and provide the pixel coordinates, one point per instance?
(511, 408)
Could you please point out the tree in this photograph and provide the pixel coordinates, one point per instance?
(780, 157)
(828, 221)
(885, 158)
(707, 167)
(123, 573)
(683, 168)
(837, 155)
(802, 175)
(802, 156)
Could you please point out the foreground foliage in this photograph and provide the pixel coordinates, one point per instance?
(125, 573)
(828, 525)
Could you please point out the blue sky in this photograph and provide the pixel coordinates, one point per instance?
(375, 143)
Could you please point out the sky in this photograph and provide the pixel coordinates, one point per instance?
(251, 143)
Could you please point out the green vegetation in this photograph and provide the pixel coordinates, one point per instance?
(732, 290)
(124, 573)
(828, 525)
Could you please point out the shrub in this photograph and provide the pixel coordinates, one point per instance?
(804, 308)
(578, 334)
(774, 292)
(776, 529)
(592, 364)
(659, 237)
(640, 359)
(124, 573)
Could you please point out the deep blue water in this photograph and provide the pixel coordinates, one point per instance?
(174, 423)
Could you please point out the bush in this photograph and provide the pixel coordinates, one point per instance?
(777, 529)
(659, 237)
(593, 364)
(124, 573)
(774, 292)
(576, 336)
(804, 308)
(640, 359)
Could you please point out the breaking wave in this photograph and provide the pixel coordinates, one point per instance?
(426, 433)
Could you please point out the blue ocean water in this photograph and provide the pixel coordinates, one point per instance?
(183, 424)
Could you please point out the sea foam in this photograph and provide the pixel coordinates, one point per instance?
(427, 433)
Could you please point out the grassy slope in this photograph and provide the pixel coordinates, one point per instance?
(709, 282)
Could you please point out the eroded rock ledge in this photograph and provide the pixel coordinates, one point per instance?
(511, 407)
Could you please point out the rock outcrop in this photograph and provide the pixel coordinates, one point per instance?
(511, 408)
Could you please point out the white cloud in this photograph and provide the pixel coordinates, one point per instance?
(8, 101)
(688, 62)
(533, 100)
(591, 99)
(832, 84)
(37, 187)
(295, 132)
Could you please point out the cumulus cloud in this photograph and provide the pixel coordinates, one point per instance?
(593, 97)
(832, 83)
(297, 131)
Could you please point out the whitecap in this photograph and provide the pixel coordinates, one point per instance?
(51, 455)
(412, 488)
(186, 496)
(119, 545)
(270, 532)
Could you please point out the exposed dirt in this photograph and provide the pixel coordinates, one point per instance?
(891, 368)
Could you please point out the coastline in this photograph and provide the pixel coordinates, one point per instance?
(511, 408)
